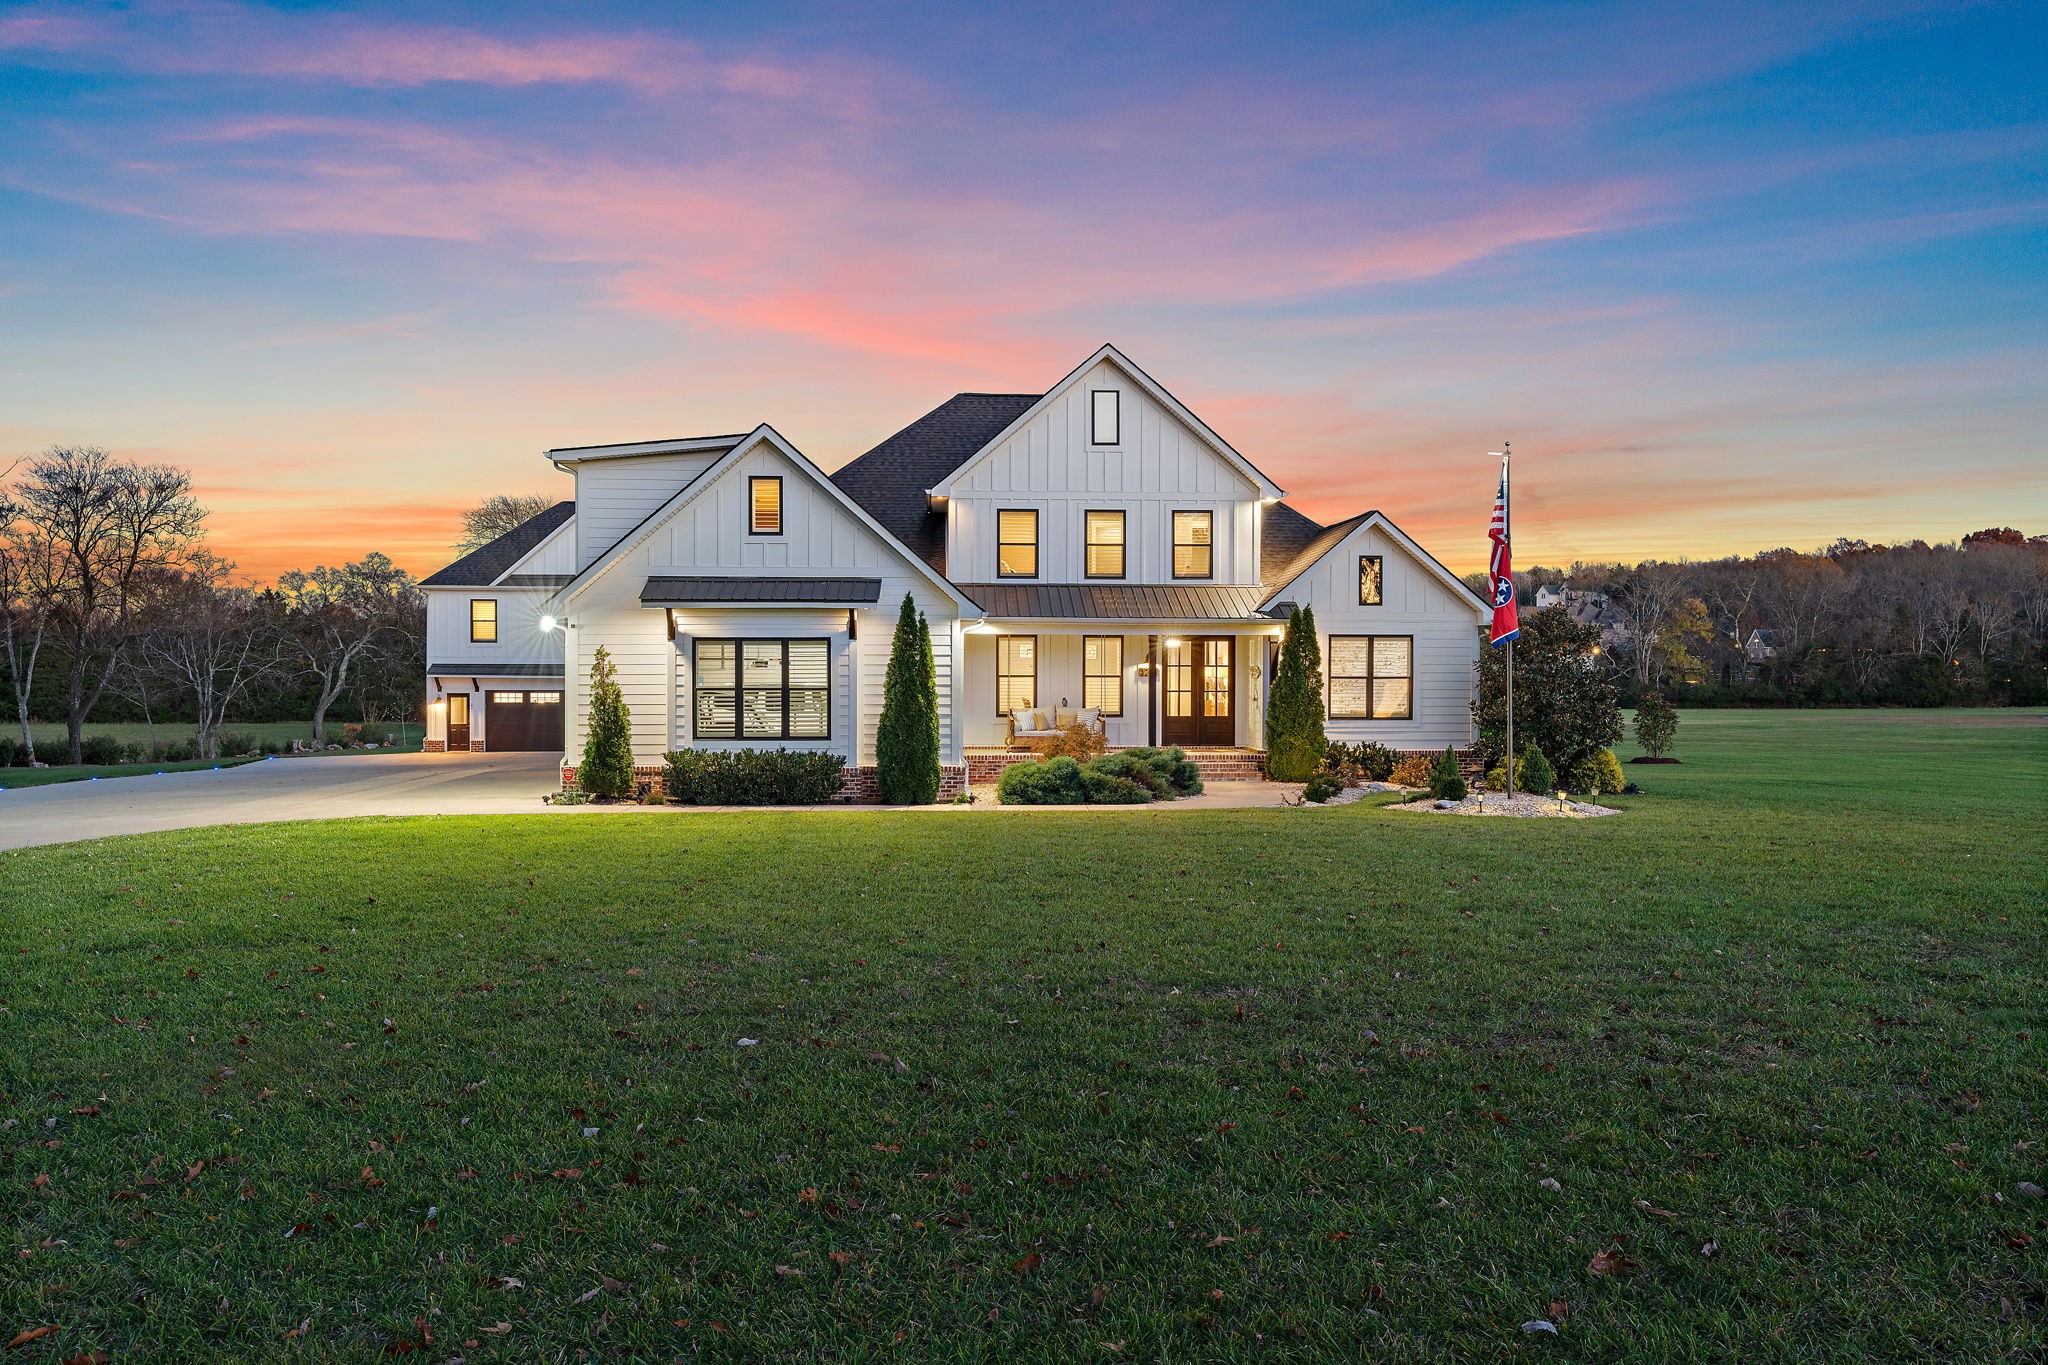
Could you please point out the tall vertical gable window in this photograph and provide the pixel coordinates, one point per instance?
(1194, 554)
(1105, 425)
(764, 505)
(1102, 673)
(1016, 673)
(1369, 580)
(1105, 545)
(1017, 544)
(1372, 677)
(483, 620)
(764, 689)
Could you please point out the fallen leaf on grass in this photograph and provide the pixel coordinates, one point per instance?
(1611, 1262)
(1535, 1325)
(87, 1358)
(789, 1272)
(497, 1329)
(28, 1334)
(1647, 1207)
(1558, 1311)
(1549, 1184)
(1029, 1261)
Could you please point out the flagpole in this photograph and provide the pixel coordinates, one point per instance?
(1506, 513)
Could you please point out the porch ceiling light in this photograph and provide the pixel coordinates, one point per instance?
(1173, 642)
(548, 623)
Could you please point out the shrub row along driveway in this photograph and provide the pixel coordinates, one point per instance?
(326, 787)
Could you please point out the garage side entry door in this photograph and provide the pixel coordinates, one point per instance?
(522, 720)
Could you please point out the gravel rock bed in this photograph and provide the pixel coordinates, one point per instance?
(1521, 804)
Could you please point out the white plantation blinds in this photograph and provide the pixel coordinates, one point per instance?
(1102, 673)
(1016, 672)
(1017, 544)
(764, 689)
(1105, 532)
(1193, 553)
(1372, 677)
(764, 505)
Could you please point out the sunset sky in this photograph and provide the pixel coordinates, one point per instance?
(1728, 279)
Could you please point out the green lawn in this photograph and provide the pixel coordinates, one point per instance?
(1101, 1085)
(11, 778)
(50, 738)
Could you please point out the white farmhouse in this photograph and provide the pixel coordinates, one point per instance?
(1094, 550)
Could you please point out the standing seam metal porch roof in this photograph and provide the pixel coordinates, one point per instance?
(1118, 601)
(718, 590)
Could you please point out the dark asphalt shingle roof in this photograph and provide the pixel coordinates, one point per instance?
(889, 481)
(853, 591)
(482, 566)
(1278, 572)
(1118, 601)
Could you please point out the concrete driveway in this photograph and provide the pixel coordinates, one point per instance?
(322, 787)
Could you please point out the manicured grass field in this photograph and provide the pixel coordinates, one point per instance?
(1102, 1085)
(11, 778)
(50, 738)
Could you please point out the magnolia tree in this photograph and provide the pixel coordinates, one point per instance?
(1562, 705)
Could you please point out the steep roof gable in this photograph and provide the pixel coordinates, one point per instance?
(1333, 536)
(1148, 386)
(890, 480)
(483, 565)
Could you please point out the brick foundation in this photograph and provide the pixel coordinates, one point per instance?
(858, 786)
(1215, 765)
(476, 746)
(434, 746)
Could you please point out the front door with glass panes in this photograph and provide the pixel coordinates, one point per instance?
(1200, 686)
(458, 721)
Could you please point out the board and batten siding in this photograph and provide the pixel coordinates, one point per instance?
(520, 638)
(710, 535)
(1415, 602)
(615, 495)
(1159, 467)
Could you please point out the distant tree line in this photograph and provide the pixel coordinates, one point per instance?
(1964, 623)
(112, 608)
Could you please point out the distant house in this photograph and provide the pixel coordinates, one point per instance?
(1760, 646)
(1096, 551)
(1588, 608)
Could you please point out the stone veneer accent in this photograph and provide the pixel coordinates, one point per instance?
(857, 787)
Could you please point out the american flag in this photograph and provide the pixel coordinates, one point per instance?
(1500, 579)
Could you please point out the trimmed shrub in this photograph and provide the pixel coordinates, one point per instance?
(1534, 773)
(1600, 773)
(234, 743)
(1127, 765)
(907, 742)
(178, 751)
(1112, 789)
(1322, 787)
(1295, 743)
(99, 750)
(7, 751)
(750, 777)
(1179, 771)
(607, 766)
(1447, 783)
(1414, 770)
(1371, 761)
(1656, 724)
(1047, 782)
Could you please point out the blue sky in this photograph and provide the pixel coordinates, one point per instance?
(1729, 279)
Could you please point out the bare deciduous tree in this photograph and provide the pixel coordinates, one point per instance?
(343, 618)
(496, 515)
(213, 637)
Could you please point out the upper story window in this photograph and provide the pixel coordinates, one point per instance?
(1194, 554)
(1017, 543)
(764, 505)
(1369, 580)
(1105, 545)
(1104, 418)
(483, 620)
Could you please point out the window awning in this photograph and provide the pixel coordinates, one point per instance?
(1118, 601)
(730, 591)
(494, 669)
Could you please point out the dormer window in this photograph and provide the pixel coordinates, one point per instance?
(1104, 424)
(764, 505)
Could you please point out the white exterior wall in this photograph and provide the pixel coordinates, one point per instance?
(1445, 625)
(1160, 466)
(520, 638)
(556, 554)
(709, 535)
(615, 495)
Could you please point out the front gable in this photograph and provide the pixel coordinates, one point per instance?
(1413, 583)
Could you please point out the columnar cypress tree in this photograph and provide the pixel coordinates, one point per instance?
(607, 767)
(1294, 715)
(907, 741)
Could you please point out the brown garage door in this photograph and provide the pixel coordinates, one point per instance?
(522, 720)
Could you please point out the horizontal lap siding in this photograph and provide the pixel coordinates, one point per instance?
(1444, 624)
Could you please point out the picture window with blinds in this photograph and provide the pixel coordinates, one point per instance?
(763, 689)
(1016, 673)
(1369, 580)
(1105, 418)
(1194, 554)
(1105, 548)
(1102, 673)
(1372, 677)
(764, 505)
(483, 620)
(1017, 543)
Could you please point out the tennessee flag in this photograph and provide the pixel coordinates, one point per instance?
(1500, 578)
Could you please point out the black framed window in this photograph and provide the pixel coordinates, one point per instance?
(1105, 417)
(1370, 581)
(1016, 673)
(1105, 550)
(1102, 673)
(1372, 677)
(483, 620)
(1194, 550)
(763, 689)
(1017, 543)
(764, 505)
